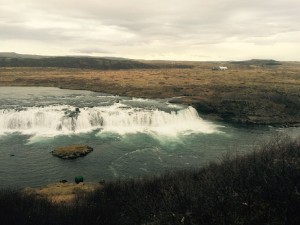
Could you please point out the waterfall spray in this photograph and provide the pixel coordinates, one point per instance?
(117, 118)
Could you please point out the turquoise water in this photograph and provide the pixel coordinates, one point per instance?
(131, 137)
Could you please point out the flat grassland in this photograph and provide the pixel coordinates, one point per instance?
(248, 92)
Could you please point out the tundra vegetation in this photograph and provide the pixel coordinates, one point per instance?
(248, 92)
(259, 188)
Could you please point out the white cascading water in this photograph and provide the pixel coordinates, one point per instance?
(117, 118)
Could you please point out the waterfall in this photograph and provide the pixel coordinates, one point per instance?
(118, 118)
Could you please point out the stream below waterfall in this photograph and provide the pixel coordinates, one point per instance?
(131, 137)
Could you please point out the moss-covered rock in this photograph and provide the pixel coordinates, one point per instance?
(72, 151)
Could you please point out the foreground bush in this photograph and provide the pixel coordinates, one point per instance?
(260, 188)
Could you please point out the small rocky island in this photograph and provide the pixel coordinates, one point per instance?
(72, 151)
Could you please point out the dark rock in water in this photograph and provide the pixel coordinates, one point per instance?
(72, 151)
(73, 114)
(78, 179)
(63, 181)
(12, 155)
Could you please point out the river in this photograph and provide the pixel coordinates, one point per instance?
(131, 137)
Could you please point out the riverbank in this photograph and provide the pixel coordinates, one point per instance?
(63, 192)
(245, 93)
(259, 188)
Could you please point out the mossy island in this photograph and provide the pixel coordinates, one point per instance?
(72, 151)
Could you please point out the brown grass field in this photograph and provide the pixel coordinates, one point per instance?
(63, 192)
(245, 93)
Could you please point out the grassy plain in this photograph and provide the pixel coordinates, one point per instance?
(250, 92)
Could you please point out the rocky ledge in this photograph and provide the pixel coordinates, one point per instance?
(72, 151)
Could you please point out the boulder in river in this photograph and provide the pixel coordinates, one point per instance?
(78, 179)
(72, 151)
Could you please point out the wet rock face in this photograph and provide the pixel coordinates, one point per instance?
(72, 151)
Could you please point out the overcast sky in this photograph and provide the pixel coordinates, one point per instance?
(153, 29)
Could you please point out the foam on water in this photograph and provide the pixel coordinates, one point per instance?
(117, 118)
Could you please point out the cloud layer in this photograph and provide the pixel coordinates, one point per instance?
(156, 29)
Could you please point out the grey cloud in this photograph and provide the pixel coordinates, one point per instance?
(16, 32)
(189, 17)
(135, 23)
(92, 50)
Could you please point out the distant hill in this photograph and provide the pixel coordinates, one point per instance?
(258, 62)
(16, 55)
(11, 59)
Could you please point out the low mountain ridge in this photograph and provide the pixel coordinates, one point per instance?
(11, 59)
(258, 62)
